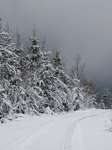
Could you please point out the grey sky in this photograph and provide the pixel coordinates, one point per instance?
(72, 26)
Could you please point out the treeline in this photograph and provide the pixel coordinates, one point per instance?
(106, 100)
(32, 83)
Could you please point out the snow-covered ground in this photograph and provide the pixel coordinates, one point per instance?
(80, 130)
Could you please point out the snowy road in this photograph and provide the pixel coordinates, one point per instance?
(81, 130)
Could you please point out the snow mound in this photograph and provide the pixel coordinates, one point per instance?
(48, 111)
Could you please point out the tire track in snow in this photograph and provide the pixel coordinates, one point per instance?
(68, 141)
(26, 140)
(23, 142)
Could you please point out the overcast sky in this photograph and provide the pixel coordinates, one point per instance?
(72, 26)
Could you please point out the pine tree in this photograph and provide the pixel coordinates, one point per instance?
(5, 105)
(89, 94)
(18, 46)
(30, 66)
(107, 99)
(78, 96)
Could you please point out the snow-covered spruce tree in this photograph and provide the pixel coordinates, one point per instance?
(77, 95)
(30, 66)
(47, 82)
(10, 72)
(16, 94)
(44, 45)
(86, 87)
(6, 70)
(5, 37)
(84, 95)
(5, 105)
(107, 99)
(89, 94)
(18, 46)
(53, 88)
(60, 71)
(6, 54)
(43, 75)
(65, 80)
(77, 89)
(56, 59)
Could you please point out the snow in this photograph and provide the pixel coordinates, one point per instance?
(96, 134)
(80, 130)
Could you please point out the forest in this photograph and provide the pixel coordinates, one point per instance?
(38, 82)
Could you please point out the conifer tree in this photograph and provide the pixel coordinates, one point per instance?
(18, 46)
(5, 105)
(107, 99)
